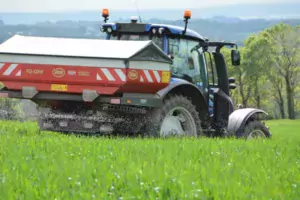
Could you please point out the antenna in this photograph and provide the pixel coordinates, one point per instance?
(137, 8)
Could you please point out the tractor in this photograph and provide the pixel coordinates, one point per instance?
(149, 79)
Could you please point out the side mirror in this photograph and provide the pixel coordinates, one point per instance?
(231, 80)
(235, 57)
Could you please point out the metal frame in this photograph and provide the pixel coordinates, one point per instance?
(135, 99)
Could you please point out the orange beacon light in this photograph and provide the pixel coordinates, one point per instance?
(187, 14)
(105, 13)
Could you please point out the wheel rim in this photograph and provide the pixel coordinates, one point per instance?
(257, 133)
(178, 122)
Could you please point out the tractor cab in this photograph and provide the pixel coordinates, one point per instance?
(193, 59)
(176, 42)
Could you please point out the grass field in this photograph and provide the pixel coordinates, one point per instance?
(52, 166)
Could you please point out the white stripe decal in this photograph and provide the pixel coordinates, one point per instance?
(10, 69)
(98, 77)
(108, 74)
(148, 76)
(19, 73)
(121, 74)
(141, 79)
(1, 65)
(156, 74)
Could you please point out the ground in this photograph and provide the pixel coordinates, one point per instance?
(47, 165)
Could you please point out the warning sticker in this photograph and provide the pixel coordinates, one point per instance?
(166, 76)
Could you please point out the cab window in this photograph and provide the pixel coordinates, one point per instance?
(211, 68)
(139, 37)
(159, 41)
(187, 62)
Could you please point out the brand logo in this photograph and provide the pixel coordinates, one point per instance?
(58, 72)
(133, 75)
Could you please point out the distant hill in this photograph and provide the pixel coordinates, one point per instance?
(265, 11)
(230, 22)
(218, 28)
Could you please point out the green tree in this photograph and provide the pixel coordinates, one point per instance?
(256, 68)
(261, 58)
(285, 45)
(244, 91)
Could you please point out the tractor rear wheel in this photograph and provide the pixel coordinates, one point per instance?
(254, 130)
(177, 117)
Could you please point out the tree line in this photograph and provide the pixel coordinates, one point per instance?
(269, 74)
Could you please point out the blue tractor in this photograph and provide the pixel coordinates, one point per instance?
(197, 100)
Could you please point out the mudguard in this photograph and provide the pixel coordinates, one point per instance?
(238, 119)
(173, 84)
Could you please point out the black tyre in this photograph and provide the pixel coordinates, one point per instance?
(255, 129)
(177, 111)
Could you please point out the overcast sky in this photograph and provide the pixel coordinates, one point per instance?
(75, 5)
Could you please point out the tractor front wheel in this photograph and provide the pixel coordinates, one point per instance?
(177, 117)
(254, 130)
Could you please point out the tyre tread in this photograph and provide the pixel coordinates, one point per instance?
(153, 124)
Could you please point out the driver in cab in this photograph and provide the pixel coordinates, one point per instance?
(191, 69)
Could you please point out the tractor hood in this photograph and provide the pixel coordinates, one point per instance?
(84, 48)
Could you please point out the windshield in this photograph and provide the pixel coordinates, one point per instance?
(138, 37)
(134, 37)
(187, 62)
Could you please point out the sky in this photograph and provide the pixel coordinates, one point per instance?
(78, 5)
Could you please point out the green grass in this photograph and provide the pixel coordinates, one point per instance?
(52, 166)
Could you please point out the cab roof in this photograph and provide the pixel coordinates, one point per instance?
(176, 30)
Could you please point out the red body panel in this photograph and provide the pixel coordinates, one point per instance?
(105, 80)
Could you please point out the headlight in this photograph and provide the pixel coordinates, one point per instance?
(109, 30)
(160, 30)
